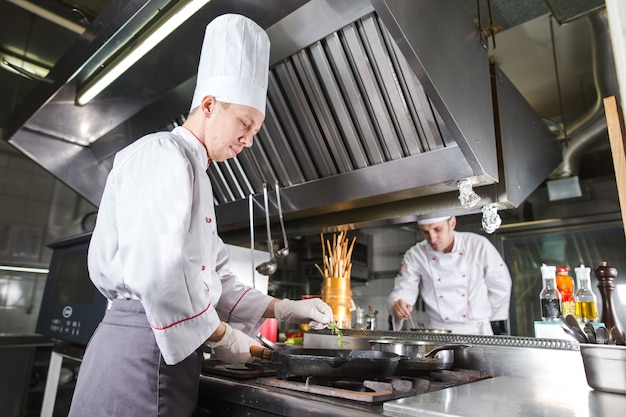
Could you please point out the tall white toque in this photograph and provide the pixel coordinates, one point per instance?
(234, 62)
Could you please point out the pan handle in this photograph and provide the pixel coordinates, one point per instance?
(262, 353)
(449, 346)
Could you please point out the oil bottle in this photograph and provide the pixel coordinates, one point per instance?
(550, 297)
(370, 318)
(586, 305)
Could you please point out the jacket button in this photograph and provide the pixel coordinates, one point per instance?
(203, 267)
(208, 219)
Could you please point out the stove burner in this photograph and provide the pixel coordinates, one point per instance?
(376, 390)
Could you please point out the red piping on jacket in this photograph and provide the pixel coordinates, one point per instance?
(185, 319)
(230, 313)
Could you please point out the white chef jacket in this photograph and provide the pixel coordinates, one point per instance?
(464, 289)
(156, 241)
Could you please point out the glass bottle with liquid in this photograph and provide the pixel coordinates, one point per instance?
(370, 318)
(565, 285)
(550, 297)
(586, 302)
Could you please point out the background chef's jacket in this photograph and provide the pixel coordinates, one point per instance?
(470, 284)
(156, 241)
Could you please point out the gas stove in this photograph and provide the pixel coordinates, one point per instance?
(376, 390)
(368, 390)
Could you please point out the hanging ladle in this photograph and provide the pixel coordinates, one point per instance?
(251, 210)
(282, 252)
(269, 267)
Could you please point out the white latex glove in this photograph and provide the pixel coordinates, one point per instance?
(314, 310)
(234, 346)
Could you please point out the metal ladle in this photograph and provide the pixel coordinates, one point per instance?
(282, 252)
(251, 210)
(268, 267)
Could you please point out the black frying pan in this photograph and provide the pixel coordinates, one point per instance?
(333, 363)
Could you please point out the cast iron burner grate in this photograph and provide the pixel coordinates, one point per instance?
(376, 390)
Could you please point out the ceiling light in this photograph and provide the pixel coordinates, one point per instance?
(172, 19)
(15, 63)
(23, 269)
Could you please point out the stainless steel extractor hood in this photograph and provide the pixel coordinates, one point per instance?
(375, 111)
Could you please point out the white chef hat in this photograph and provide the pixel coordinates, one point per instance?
(234, 62)
(431, 218)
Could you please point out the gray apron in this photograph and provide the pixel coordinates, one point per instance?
(123, 373)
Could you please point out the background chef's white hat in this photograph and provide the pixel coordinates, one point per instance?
(431, 218)
(234, 62)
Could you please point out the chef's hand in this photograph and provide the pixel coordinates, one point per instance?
(314, 310)
(402, 310)
(234, 347)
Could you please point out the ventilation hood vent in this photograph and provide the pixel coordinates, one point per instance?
(375, 111)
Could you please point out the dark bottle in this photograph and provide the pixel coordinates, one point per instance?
(605, 275)
(550, 297)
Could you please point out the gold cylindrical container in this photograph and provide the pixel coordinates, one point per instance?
(336, 293)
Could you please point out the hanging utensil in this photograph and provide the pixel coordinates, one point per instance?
(269, 267)
(251, 210)
(284, 251)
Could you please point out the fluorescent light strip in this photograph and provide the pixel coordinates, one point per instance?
(23, 269)
(146, 42)
(48, 15)
(25, 64)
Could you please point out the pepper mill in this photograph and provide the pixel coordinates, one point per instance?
(605, 275)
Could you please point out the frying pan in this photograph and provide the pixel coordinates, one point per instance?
(332, 363)
(419, 355)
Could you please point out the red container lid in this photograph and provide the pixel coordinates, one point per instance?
(562, 269)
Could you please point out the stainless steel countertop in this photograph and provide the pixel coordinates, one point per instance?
(512, 396)
(498, 396)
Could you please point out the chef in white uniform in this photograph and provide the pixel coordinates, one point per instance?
(461, 277)
(155, 252)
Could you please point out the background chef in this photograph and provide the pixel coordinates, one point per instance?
(461, 277)
(156, 255)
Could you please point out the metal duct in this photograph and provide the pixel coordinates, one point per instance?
(591, 126)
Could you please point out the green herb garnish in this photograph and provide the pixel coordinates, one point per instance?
(336, 330)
